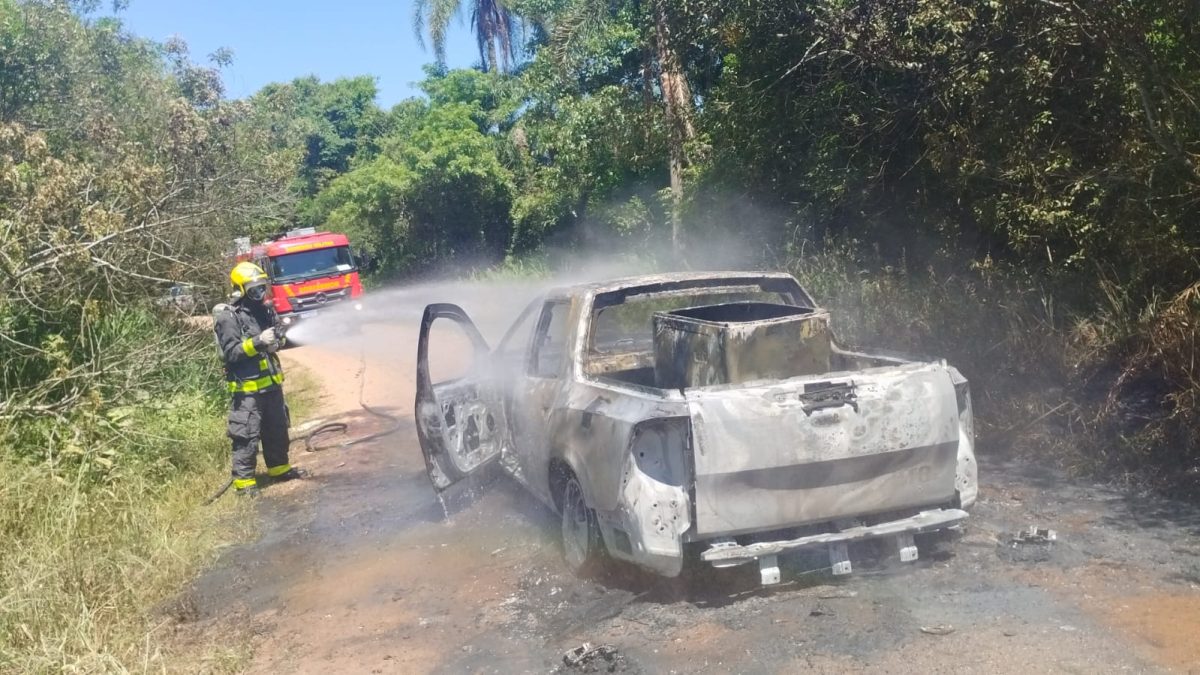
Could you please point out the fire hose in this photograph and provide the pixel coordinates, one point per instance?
(335, 427)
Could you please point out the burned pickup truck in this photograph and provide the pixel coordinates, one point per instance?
(711, 413)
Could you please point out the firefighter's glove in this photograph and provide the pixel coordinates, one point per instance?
(269, 339)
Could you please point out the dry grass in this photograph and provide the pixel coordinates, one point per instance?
(84, 562)
(94, 546)
(1147, 391)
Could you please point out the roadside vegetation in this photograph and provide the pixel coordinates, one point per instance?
(1010, 185)
(122, 171)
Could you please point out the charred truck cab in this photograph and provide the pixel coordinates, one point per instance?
(311, 272)
(709, 411)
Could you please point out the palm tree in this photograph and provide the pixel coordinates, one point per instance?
(494, 26)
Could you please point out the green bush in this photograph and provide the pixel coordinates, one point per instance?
(100, 500)
(94, 535)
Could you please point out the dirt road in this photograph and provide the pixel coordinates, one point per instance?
(362, 569)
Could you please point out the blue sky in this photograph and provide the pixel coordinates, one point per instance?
(278, 40)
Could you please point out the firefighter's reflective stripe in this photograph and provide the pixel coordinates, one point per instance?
(264, 365)
(248, 347)
(251, 386)
(243, 483)
(274, 471)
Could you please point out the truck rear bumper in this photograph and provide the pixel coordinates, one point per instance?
(728, 553)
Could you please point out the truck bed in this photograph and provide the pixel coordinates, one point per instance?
(638, 368)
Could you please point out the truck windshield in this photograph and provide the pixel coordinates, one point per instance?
(315, 263)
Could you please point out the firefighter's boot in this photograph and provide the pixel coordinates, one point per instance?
(251, 492)
(291, 473)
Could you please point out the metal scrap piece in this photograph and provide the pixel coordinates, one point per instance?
(1033, 535)
(1028, 545)
(589, 658)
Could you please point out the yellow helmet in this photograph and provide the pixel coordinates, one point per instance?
(248, 279)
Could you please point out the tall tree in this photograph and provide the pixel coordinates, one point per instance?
(678, 104)
(330, 122)
(582, 19)
(494, 25)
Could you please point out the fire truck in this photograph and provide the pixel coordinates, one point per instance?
(311, 272)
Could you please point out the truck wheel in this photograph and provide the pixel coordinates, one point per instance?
(582, 547)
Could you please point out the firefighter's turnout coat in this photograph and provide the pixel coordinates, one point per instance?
(249, 368)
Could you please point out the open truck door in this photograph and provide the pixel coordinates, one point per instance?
(460, 420)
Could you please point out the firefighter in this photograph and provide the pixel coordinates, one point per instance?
(248, 340)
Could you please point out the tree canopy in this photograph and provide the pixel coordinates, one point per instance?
(1059, 135)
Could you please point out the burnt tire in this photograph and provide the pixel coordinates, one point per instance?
(583, 548)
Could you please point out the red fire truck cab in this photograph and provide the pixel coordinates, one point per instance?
(310, 272)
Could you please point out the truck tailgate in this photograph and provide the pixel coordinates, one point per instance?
(762, 462)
